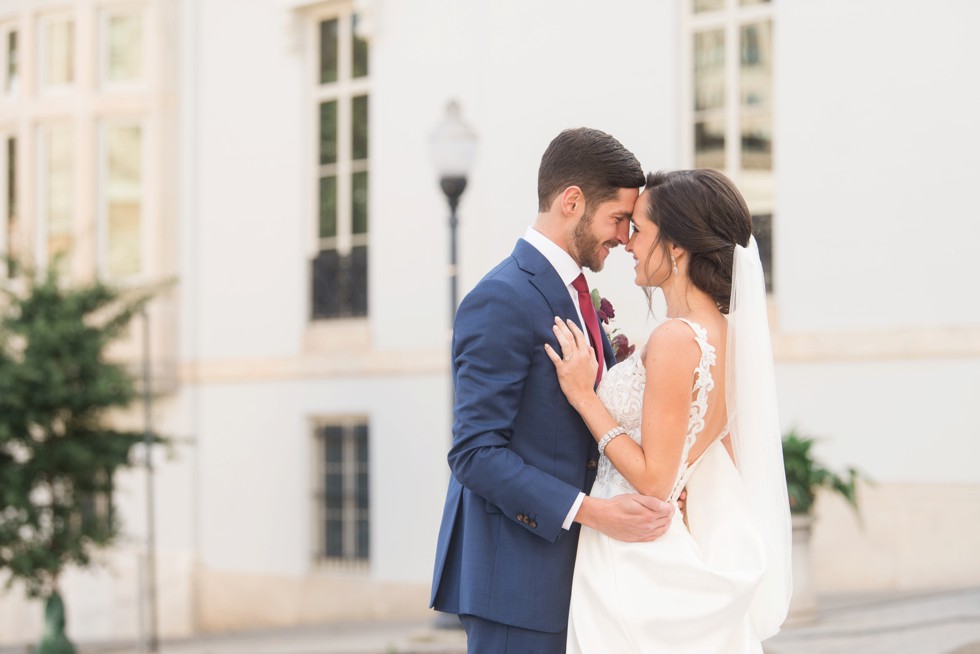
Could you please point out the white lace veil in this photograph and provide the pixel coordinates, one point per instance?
(756, 438)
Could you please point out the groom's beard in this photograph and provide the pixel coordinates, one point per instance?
(587, 246)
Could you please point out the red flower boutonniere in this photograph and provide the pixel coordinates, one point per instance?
(605, 312)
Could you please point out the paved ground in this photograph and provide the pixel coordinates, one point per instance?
(946, 622)
(926, 623)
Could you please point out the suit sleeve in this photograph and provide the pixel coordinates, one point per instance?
(492, 352)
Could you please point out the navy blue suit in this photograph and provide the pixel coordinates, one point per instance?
(520, 454)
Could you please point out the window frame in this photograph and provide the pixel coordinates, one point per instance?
(342, 91)
(347, 563)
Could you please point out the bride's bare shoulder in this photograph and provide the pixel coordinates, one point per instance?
(671, 344)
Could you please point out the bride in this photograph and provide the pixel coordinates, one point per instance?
(695, 409)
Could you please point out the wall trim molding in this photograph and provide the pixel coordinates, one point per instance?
(799, 347)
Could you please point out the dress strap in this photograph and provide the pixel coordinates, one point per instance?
(703, 381)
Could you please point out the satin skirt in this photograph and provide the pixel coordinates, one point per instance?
(688, 592)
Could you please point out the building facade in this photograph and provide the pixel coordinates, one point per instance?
(273, 158)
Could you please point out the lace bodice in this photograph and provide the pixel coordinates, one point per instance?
(621, 391)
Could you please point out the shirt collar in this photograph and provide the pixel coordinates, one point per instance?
(561, 261)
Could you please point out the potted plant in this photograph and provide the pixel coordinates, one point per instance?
(805, 475)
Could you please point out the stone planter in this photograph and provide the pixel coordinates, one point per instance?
(803, 605)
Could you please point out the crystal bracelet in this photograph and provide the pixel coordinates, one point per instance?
(611, 434)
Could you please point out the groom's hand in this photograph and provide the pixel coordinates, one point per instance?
(632, 518)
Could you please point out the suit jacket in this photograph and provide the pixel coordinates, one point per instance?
(520, 454)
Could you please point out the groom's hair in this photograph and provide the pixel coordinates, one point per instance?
(592, 160)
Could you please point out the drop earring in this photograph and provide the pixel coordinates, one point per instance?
(674, 262)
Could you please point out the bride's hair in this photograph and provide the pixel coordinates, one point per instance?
(703, 212)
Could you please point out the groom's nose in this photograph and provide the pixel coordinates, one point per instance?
(623, 232)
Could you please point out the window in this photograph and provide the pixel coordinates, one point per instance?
(730, 102)
(340, 268)
(342, 496)
(97, 514)
(56, 156)
(122, 48)
(57, 54)
(121, 224)
(10, 61)
(11, 233)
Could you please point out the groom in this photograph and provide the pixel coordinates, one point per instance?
(522, 460)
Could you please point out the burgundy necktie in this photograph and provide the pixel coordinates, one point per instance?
(591, 320)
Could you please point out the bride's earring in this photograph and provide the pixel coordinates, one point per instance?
(674, 262)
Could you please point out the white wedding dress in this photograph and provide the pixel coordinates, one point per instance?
(688, 592)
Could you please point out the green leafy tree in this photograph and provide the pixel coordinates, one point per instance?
(58, 450)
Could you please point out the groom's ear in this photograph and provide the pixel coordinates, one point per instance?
(572, 202)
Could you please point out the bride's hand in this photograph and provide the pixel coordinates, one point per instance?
(577, 368)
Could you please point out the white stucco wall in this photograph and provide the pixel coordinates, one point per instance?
(875, 135)
(875, 142)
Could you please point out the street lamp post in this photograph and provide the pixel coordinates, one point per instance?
(453, 146)
(453, 149)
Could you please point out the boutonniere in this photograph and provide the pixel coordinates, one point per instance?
(605, 312)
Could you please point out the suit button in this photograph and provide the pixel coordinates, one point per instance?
(521, 517)
(592, 464)
(532, 524)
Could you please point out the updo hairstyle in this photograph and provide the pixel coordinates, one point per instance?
(703, 212)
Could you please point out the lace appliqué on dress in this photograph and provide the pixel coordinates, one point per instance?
(621, 391)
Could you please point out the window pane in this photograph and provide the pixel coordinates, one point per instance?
(363, 543)
(359, 130)
(358, 281)
(362, 497)
(328, 285)
(124, 201)
(335, 538)
(59, 191)
(125, 48)
(757, 142)
(708, 5)
(328, 51)
(361, 457)
(340, 284)
(328, 133)
(12, 76)
(709, 70)
(762, 230)
(60, 42)
(756, 73)
(709, 144)
(334, 491)
(328, 207)
(359, 203)
(361, 444)
(333, 443)
(360, 52)
(13, 248)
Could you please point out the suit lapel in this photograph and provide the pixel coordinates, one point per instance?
(544, 278)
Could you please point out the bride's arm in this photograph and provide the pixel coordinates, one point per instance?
(671, 359)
